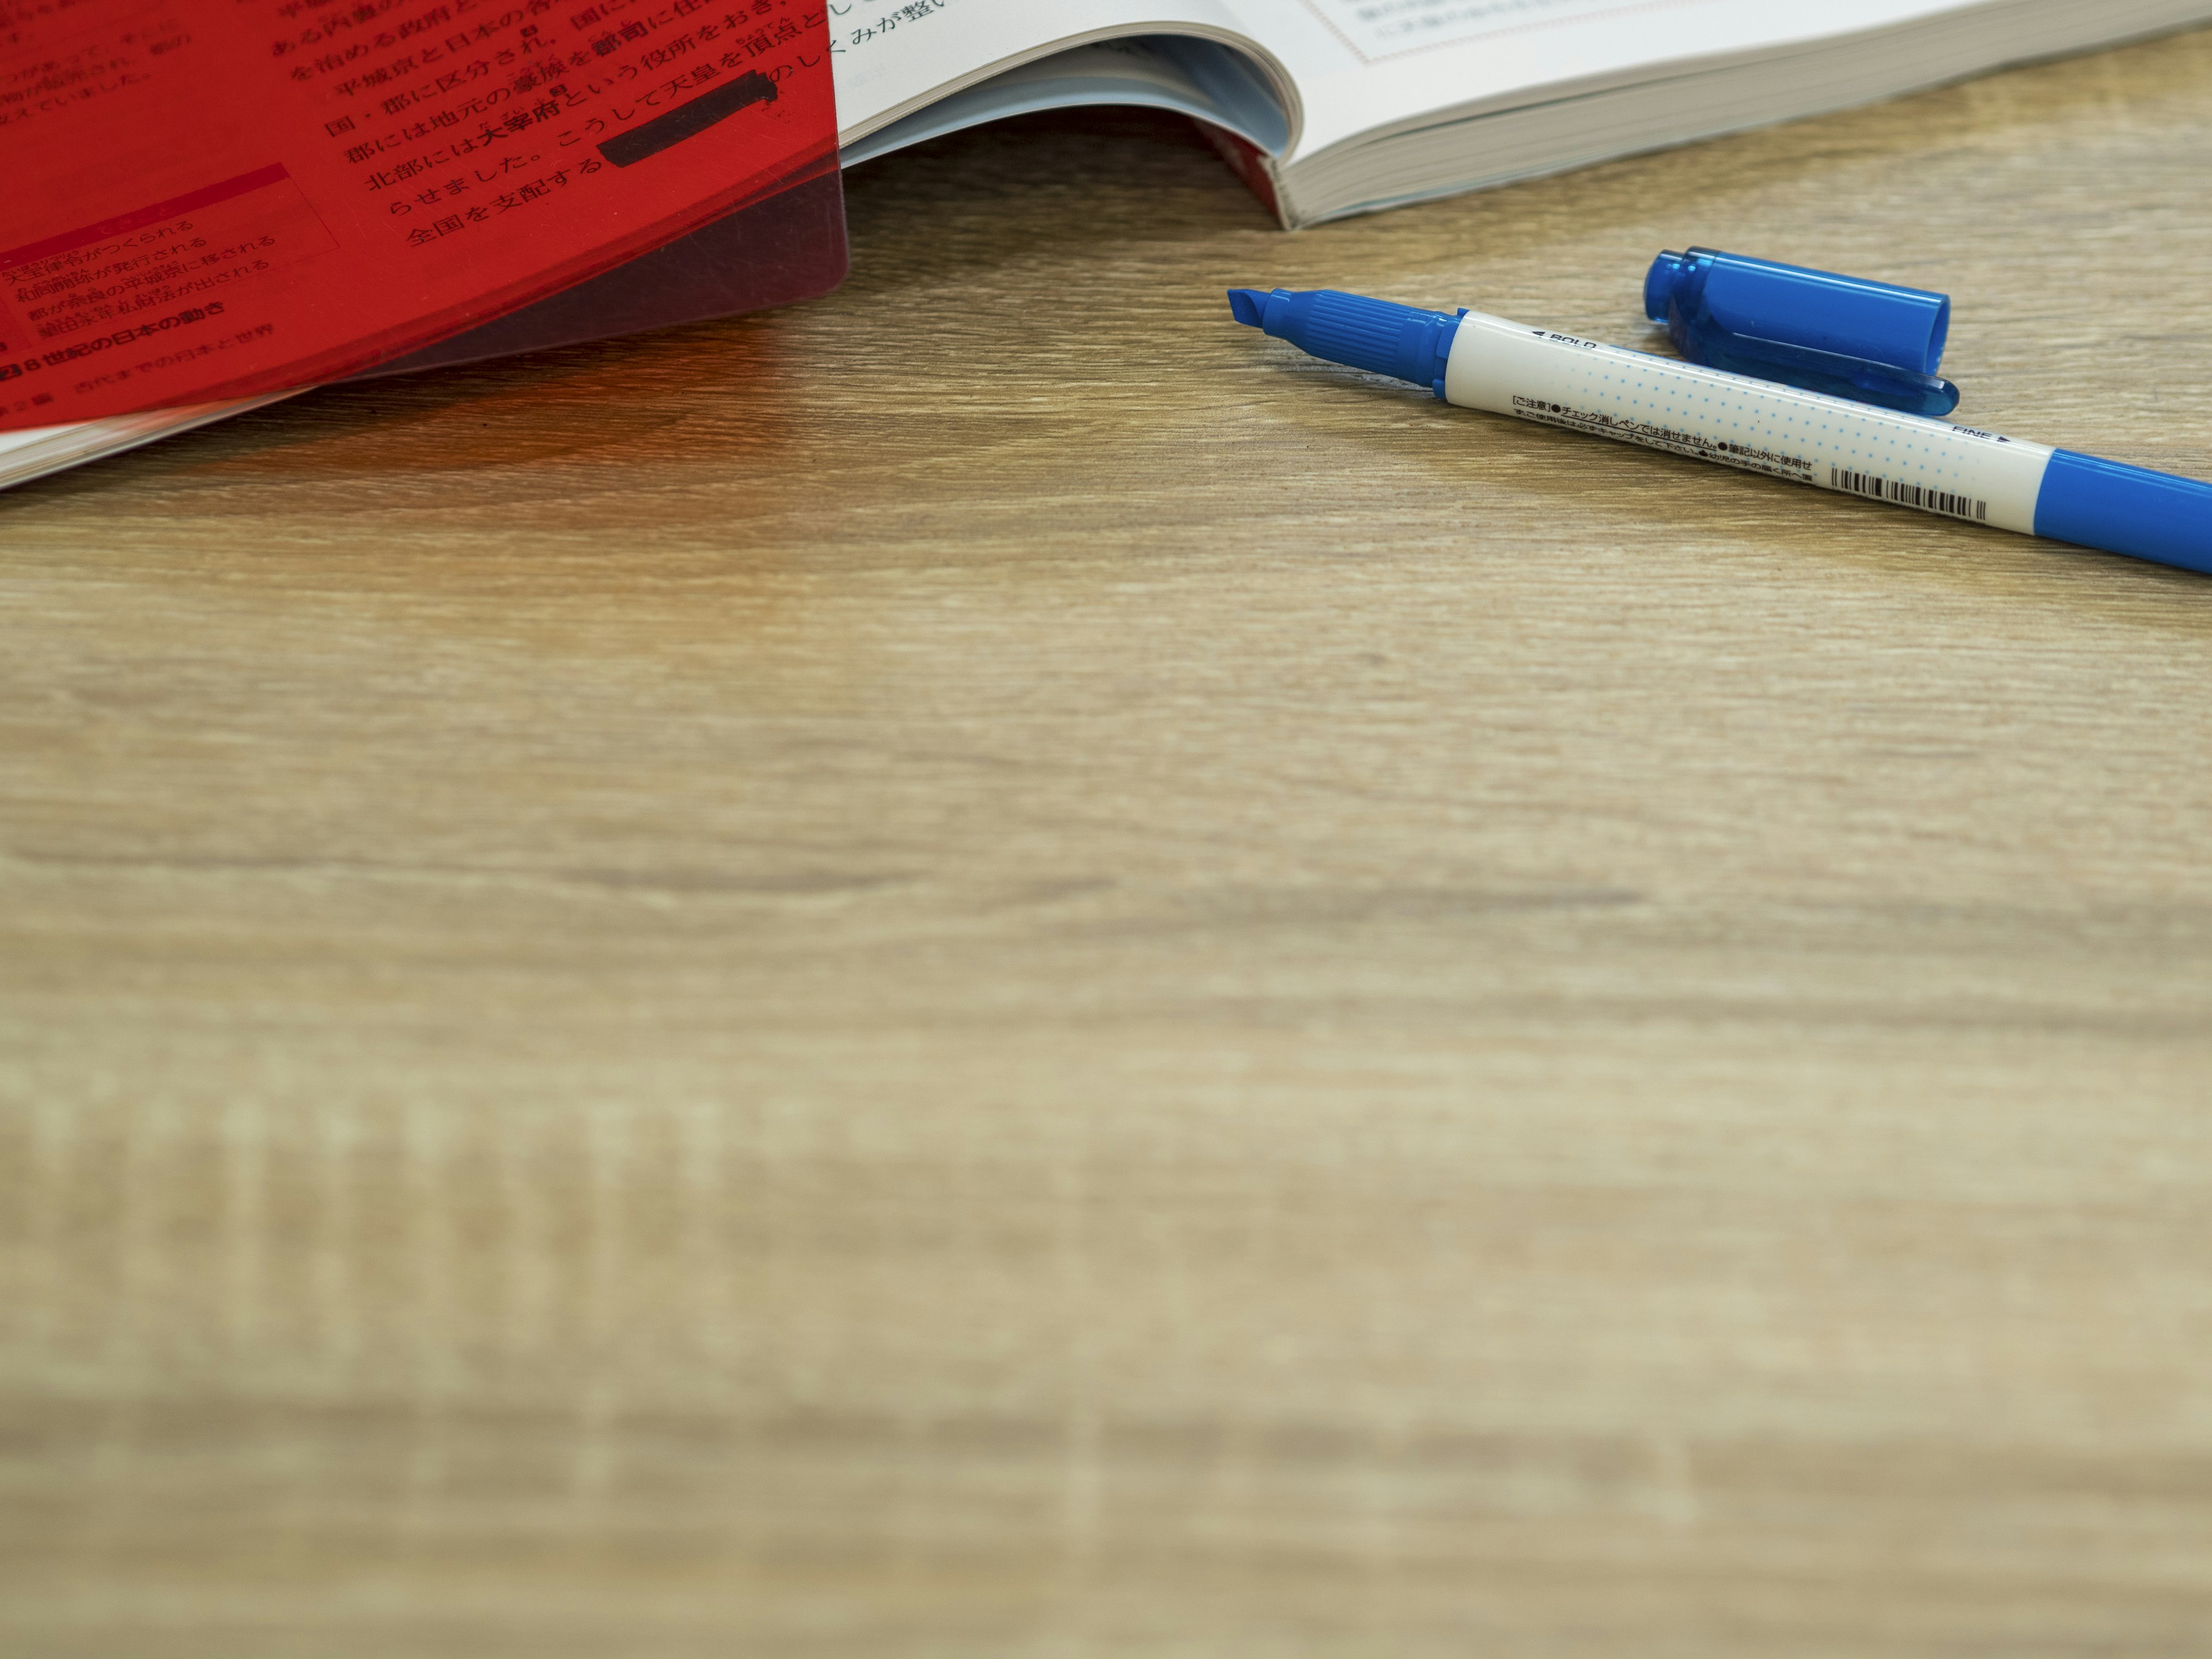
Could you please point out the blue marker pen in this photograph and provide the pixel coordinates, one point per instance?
(1832, 443)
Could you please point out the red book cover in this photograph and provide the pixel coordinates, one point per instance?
(1246, 160)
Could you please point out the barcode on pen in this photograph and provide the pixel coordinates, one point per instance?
(1907, 494)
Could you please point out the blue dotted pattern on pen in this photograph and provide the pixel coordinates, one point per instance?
(1747, 424)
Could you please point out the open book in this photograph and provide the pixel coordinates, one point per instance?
(1330, 107)
(1345, 107)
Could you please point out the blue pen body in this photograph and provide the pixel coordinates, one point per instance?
(1833, 443)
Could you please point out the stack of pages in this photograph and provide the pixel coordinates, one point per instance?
(1331, 107)
(1349, 106)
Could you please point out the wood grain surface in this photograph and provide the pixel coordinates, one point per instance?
(987, 970)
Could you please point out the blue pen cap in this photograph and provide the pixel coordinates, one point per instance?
(1821, 310)
(1873, 342)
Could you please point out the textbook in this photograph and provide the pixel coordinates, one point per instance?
(1332, 107)
(1324, 107)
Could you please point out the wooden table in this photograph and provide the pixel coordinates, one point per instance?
(986, 969)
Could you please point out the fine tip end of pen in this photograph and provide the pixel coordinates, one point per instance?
(1248, 305)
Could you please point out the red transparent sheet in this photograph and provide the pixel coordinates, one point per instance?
(787, 248)
(212, 198)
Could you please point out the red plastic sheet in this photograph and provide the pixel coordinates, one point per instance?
(210, 198)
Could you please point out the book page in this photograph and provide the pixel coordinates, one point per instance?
(33, 451)
(1187, 74)
(892, 59)
(1366, 66)
(1383, 28)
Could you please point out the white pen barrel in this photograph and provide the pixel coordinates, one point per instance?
(1557, 380)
